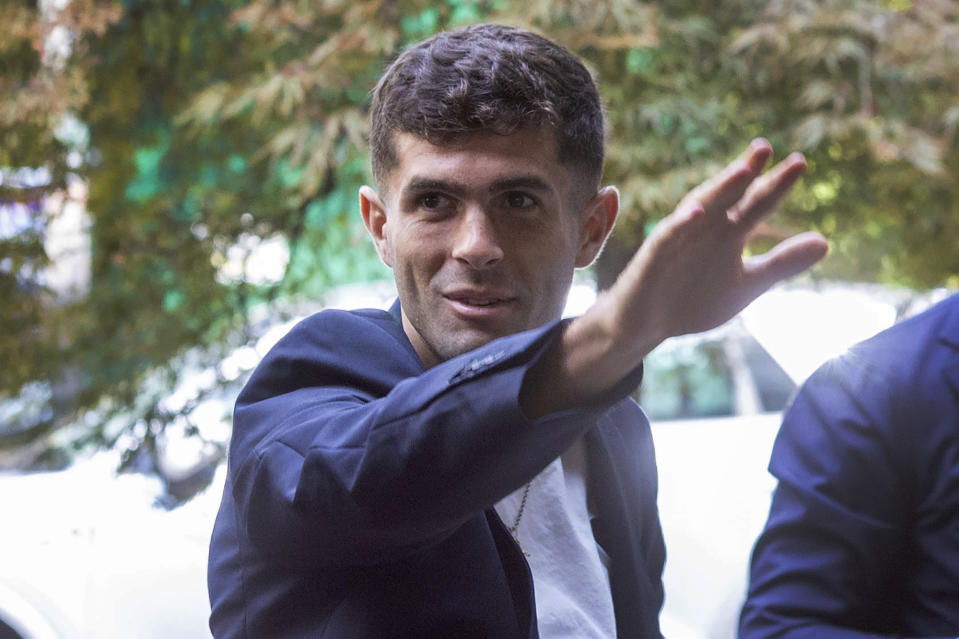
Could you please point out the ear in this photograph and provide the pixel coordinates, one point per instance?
(600, 217)
(374, 218)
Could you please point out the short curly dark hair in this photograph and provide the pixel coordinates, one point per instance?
(488, 78)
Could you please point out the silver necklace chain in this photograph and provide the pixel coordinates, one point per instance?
(519, 516)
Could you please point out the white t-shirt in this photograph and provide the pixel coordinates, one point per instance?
(570, 570)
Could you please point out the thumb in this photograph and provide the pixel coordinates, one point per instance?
(790, 257)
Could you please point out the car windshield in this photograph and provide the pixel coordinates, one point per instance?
(719, 374)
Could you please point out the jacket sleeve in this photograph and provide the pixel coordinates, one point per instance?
(827, 565)
(346, 452)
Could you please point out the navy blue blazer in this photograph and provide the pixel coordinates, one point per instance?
(863, 534)
(360, 489)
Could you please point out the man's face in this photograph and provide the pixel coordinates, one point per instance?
(482, 235)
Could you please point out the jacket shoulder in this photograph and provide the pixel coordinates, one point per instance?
(356, 348)
(910, 350)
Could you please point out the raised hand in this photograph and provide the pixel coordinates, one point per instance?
(689, 275)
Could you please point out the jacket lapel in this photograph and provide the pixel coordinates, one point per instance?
(616, 473)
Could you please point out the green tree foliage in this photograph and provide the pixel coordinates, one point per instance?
(870, 91)
(41, 85)
(213, 125)
(867, 90)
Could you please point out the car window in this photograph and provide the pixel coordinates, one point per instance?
(712, 375)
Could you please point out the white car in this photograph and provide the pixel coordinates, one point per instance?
(714, 489)
(714, 494)
(84, 553)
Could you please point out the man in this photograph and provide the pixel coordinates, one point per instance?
(863, 534)
(416, 473)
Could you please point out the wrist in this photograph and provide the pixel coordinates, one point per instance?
(626, 337)
(601, 350)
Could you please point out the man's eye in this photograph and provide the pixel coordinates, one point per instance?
(519, 200)
(432, 201)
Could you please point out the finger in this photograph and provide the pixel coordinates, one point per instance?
(725, 188)
(764, 194)
(790, 257)
(757, 154)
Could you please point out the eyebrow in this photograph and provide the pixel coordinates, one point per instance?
(532, 182)
(420, 184)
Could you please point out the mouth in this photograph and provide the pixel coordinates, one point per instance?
(480, 301)
(477, 302)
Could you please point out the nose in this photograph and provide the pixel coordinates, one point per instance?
(475, 242)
